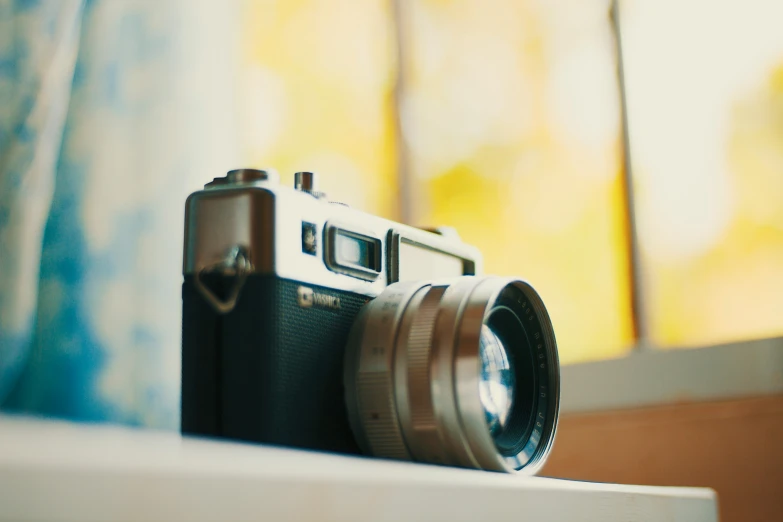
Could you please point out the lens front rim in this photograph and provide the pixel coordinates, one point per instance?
(479, 306)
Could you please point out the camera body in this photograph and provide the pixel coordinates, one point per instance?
(273, 279)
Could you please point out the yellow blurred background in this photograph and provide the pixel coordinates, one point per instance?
(510, 130)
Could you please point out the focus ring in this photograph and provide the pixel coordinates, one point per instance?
(419, 353)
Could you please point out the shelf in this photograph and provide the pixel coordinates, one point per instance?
(57, 471)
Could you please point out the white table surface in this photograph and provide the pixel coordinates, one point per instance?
(58, 471)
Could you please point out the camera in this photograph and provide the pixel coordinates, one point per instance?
(310, 324)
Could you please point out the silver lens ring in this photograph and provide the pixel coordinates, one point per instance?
(462, 372)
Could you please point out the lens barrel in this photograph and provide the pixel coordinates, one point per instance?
(461, 372)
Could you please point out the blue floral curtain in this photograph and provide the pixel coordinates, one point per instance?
(111, 112)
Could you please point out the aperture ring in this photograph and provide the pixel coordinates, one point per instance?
(379, 415)
(373, 397)
(421, 429)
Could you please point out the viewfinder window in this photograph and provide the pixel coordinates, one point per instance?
(353, 250)
(353, 253)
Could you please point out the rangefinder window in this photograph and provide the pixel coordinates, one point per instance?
(353, 253)
(411, 260)
(417, 262)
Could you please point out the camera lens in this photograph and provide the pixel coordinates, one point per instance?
(461, 372)
(496, 385)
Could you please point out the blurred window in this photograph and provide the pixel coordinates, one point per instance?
(512, 119)
(502, 118)
(704, 85)
(317, 95)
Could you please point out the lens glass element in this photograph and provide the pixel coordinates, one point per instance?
(511, 435)
(496, 383)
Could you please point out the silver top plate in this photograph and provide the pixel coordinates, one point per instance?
(265, 219)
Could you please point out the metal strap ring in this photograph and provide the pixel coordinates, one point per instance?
(236, 262)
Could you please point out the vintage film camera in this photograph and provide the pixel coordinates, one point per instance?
(311, 324)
